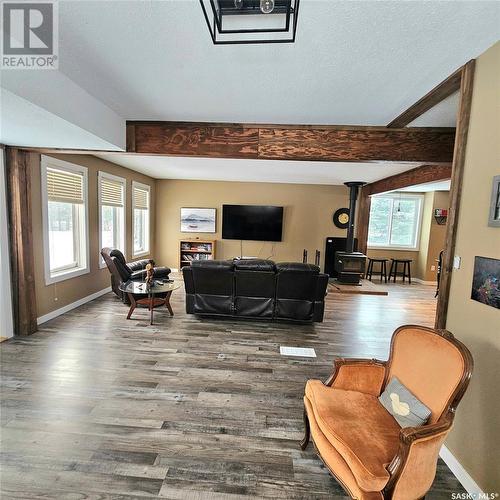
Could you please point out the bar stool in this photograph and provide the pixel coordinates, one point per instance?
(406, 267)
(382, 271)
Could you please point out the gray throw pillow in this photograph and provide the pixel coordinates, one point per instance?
(403, 405)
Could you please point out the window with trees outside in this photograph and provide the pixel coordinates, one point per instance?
(395, 221)
(141, 218)
(112, 195)
(64, 213)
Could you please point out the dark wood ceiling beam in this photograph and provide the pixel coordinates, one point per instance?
(291, 142)
(435, 96)
(413, 177)
(356, 145)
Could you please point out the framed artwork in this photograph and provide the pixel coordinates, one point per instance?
(494, 219)
(198, 220)
(486, 281)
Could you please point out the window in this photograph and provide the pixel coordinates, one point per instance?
(395, 221)
(140, 207)
(112, 191)
(64, 212)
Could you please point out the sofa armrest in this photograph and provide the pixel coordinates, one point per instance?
(139, 275)
(187, 274)
(321, 287)
(139, 265)
(362, 375)
(162, 273)
(413, 469)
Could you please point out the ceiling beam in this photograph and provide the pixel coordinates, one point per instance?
(291, 142)
(419, 175)
(435, 96)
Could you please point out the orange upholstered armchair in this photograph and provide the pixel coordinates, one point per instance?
(360, 442)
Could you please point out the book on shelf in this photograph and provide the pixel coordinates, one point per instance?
(195, 256)
(200, 247)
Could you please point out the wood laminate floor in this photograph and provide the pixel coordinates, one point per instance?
(95, 406)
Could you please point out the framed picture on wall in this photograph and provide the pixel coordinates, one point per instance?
(486, 281)
(198, 220)
(494, 219)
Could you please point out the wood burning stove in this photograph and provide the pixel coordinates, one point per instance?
(350, 265)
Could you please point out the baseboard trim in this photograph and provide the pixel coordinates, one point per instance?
(418, 280)
(461, 474)
(73, 305)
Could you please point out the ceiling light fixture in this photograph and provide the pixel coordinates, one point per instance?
(251, 21)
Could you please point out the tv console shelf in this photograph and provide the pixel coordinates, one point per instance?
(190, 250)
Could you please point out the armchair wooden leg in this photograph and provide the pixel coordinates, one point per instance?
(307, 432)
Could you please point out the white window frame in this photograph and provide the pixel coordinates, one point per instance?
(418, 226)
(62, 275)
(123, 182)
(146, 187)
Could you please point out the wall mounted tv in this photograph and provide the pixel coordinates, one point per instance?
(252, 222)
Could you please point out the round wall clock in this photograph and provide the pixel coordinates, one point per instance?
(341, 218)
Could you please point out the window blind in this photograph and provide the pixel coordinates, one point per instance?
(140, 198)
(111, 192)
(64, 186)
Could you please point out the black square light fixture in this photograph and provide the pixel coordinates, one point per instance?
(251, 21)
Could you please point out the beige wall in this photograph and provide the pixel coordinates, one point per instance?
(437, 236)
(475, 439)
(432, 235)
(51, 297)
(375, 253)
(425, 236)
(307, 216)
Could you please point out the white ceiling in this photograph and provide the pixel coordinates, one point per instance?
(429, 186)
(357, 62)
(354, 62)
(443, 114)
(23, 123)
(290, 172)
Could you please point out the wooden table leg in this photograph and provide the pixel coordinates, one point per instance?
(133, 305)
(167, 303)
(151, 307)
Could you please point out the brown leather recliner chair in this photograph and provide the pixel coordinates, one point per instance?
(358, 439)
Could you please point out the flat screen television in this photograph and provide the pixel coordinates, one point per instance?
(252, 222)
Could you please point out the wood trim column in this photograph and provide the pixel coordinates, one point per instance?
(463, 118)
(21, 241)
(364, 204)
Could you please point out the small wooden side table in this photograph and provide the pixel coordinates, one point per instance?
(152, 296)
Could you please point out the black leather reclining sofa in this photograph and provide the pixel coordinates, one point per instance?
(255, 288)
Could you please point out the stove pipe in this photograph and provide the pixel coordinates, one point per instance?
(353, 196)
